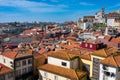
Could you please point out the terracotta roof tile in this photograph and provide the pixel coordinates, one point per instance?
(104, 52)
(117, 59)
(115, 40)
(11, 55)
(109, 61)
(100, 53)
(107, 37)
(42, 50)
(4, 69)
(62, 55)
(86, 56)
(66, 72)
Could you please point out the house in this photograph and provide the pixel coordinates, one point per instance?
(100, 16)
(62, 66)
(21, 62)
(91, 60)
(110, 68)
(6, 73)
(113, 22)
(89, 18)
(91, 44)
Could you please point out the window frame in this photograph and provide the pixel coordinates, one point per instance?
(63, 63)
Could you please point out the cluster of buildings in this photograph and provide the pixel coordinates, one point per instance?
(111, 19)
(63, 52)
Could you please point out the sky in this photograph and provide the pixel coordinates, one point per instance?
(52, 10)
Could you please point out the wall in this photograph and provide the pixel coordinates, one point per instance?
(50, 76)
(7, 61)
(117, 73)
(7, 77)
(21, 67)
(117, 24)
(91, 68)
(89, 46)
(74, 64)
(57, 62)
(110, 22)
(88, 63)
(110, 69)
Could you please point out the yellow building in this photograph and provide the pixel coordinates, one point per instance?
(117, 23)
(91, 60)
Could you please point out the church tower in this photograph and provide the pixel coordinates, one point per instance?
(103, 12)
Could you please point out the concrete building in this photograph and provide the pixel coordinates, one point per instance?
(100, 16)
(6, 73)
(62, 66)
(21, 62)
(91, 61)
(109, 68)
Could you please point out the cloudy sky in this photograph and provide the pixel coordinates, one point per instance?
(52, 10)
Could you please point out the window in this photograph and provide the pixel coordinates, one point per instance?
(11, 62)
(17, 64)
(105, 67)
(4, 61)
(18, 73)
(10, 75)
(90, 45)
(86, 45)
(64, 64)
(112, 75)
(2, 77)
(24, 62)
(55, 77)
(24, 71)
(30, 69)
(45, 74)
(29, 61)
(118, 69)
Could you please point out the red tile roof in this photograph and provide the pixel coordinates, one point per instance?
(63, 54)
(86, 56)
(107, 37)
(42, 51)
(65, 72)
(4, 69)
(11, 55)
(113, 60)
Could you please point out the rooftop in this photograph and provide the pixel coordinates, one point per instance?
(4, 69)
(63, 54)
(68, 73)
(104, 52)
(113, 60)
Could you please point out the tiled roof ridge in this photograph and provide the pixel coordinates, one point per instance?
(16, 55)
(76, 74)
(115, 60)
(106, 51)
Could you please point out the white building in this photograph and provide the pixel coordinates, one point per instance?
(109, 68)
(6, 73)
(99, 17)
(21, 62)
(84, 25)
(111, 22)
(61, 66)
(87, 35)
